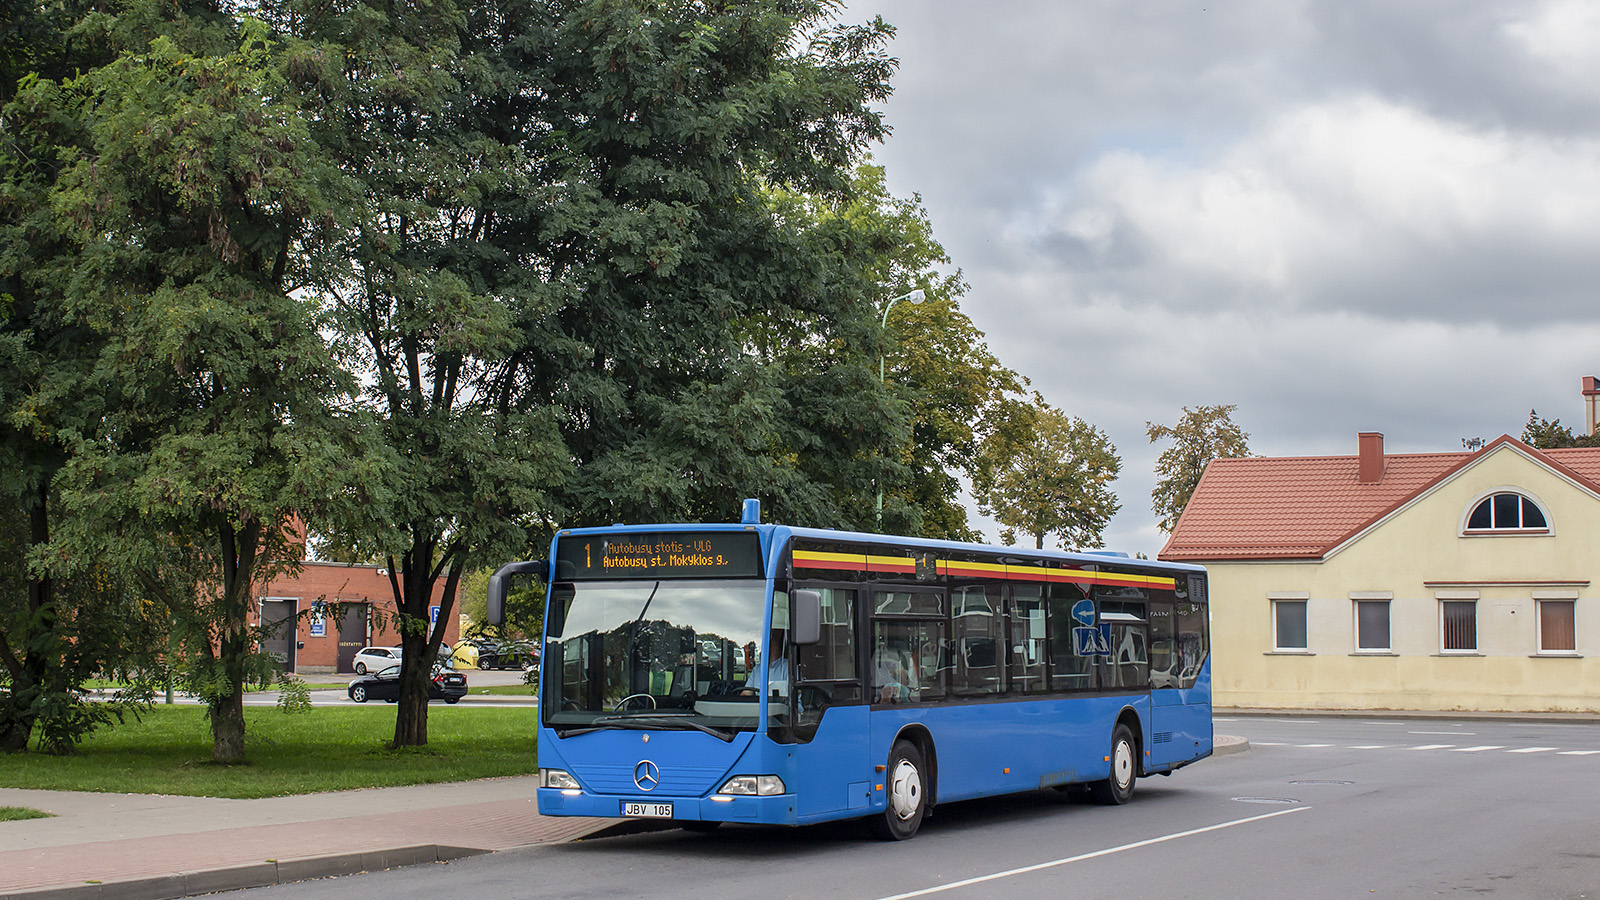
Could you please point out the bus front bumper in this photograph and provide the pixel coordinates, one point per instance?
(771, 810)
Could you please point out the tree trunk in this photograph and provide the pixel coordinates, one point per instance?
(414, 590)
(239, 550)
(420, 643)
(27, 673)
(227, 727)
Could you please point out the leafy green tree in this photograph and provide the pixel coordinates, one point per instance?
(712, 347)
(200, 206)
(1201, 435)
(1044, 472)
(936, 362)
(55, 629)
(424, 107)
(1552, 435)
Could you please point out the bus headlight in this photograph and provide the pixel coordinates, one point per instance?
(557, 778)
(753, 785)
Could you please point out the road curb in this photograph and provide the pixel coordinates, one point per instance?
(1227, 745)
(1558, 718)
(262, 874)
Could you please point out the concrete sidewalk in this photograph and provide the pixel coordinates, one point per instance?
(153, 847)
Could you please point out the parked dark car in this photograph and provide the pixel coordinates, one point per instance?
(446, 685)
(510, 655)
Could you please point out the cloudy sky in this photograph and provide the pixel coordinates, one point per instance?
(1342, 216)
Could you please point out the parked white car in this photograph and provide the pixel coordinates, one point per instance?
(376, 659)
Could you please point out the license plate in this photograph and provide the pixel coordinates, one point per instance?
(647, 810)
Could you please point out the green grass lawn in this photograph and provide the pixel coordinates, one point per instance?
(511, 690)
(13, 813)
(327, 749)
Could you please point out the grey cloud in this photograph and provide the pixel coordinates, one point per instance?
(1341, 215)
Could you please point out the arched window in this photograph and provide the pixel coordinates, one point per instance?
(1507, 511)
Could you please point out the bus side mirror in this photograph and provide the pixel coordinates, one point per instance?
(806, 606)
(502, 576)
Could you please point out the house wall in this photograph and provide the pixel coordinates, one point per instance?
(337, 582)
(1417, 557)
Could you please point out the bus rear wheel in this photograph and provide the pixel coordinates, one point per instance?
(906, 790)
(1117, 789)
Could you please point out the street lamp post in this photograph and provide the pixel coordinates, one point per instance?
(916, 296)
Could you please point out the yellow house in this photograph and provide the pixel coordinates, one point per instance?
(1440, 581)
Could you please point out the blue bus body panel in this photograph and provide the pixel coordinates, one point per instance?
(1180, 726)
(1020, 745)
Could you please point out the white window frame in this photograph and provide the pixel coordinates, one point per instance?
(1538, 619)
(1359, 597)
(1305, 624)
(1456, 651)
(1466, 516)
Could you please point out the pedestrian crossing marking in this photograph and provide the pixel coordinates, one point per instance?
(1434, 747)
(1480, 749)
(1532, 750)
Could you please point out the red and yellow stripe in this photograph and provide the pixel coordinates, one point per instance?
(904, 565)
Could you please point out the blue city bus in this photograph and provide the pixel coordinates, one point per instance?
(710, 673)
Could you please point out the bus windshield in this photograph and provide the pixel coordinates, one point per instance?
(653, 654)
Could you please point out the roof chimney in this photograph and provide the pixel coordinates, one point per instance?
(1591, 402)
(1369, 457)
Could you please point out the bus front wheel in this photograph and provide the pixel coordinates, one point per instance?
(1118, 786)
(905, 787)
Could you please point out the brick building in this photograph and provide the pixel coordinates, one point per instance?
(321, 644)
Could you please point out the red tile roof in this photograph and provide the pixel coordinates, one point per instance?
(1304, 507)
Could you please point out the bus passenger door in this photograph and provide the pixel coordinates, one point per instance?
(832, 774)
(1180, 701)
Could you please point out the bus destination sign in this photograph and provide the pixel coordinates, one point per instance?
(674, 554)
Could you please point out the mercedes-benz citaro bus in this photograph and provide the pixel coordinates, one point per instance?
(709, 673)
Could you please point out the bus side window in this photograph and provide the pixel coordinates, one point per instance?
(832, 659)
(1069, 670)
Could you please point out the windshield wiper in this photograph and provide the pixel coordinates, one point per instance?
(673, 722)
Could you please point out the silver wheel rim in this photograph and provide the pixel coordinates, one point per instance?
(1122, 764)
(905, 790)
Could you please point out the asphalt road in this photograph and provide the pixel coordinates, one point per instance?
(1334, 808)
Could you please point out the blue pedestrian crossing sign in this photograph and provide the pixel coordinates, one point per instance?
(1088, 640)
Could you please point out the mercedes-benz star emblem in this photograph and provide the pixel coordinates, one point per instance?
(646, 776)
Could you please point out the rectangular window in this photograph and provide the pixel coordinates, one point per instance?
(1372, 625)
(908, 663)
(1072, 660)
(833, 656)
(1459, 624)
(1289, 625)
(1558, 631)
(976, 624)
(1028, 640)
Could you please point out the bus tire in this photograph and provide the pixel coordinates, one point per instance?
(906, 792)
(1117, 789)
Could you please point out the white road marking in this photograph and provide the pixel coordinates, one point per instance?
(1267, 744)
(1098, 853)
(1313, 745)
(1371, 747)
(1579, 752)
(1434, 747)
(1451, 733)
(1479, 748)
(1532, 750)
